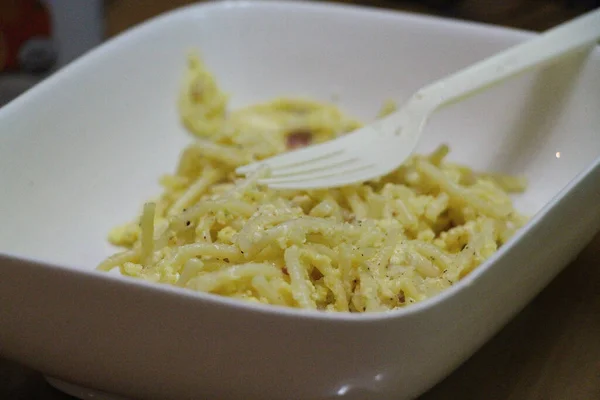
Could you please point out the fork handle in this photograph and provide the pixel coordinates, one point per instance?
(546, 48)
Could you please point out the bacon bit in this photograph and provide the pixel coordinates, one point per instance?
(299, 138)
(285, 271)
(401, 297)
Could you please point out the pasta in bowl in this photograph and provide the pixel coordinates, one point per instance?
(82, 151)
(376, 246)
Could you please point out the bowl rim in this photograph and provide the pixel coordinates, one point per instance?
(169, 17)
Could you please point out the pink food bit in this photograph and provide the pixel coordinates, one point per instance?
(299, 138)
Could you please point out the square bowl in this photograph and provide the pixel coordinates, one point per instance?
(81, 151)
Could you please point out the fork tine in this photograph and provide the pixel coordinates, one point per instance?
(335, 160)
(308, 154)
(296, 157)
(330, 181)
(344, 169)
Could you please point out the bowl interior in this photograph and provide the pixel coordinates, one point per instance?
(82, 151)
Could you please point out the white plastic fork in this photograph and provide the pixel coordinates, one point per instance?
(380, 147)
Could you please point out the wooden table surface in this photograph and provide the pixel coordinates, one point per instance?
(550, 351)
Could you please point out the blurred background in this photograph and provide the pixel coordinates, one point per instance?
(39, 36)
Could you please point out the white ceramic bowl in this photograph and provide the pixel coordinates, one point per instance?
(82, 150)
